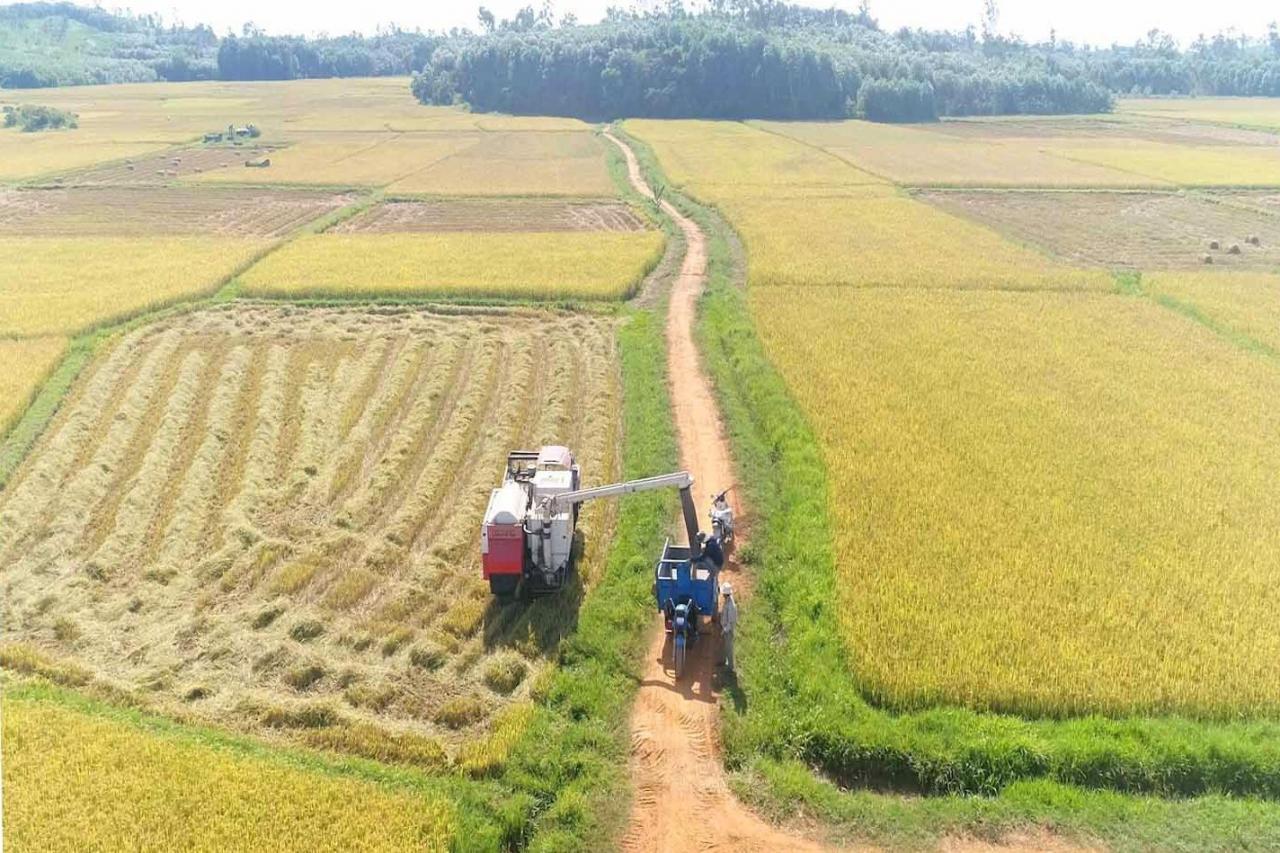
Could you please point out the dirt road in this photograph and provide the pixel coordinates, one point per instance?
(682, 800)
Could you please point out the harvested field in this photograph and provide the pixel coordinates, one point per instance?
(1125, 230)
(267, 516)
(144, 211)
(494, 216)
(26, 364)
(1032, 128)
(530, 265)
(167, 166)
(350, 159)
(57, 285)
(121, 784)
(1048, 504)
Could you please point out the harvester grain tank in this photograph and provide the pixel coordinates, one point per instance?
(528, 532)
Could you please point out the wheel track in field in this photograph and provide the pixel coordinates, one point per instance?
(682, 799)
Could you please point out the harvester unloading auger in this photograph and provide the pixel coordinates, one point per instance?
(529, 525)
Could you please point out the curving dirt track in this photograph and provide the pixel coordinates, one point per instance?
(682, 800)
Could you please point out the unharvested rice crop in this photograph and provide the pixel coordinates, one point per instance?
(520, 265)
(887, 242)
(29, 155)
(1245, 306)
(156, 211)
(516, 164)
(26, 364)
(268, 516)
(1245, 112)
(1125, 229)
(73, 781)
(920, 155)
(55, 285)
(1186, 165)
(1048, 504)
(525, 214)
(717, 158)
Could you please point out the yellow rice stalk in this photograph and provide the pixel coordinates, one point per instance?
(585, 265)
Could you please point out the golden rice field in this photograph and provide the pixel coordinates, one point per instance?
(1049, 504)
(716, 159)
(1186, 165)
(516, 164)
(1243, 112)
(27, 362)
(129, 120)
(548, 265)
(25, 155)
(76, 782)
(58, 285)
(266, 516)
(1240, 304)
(928, 155)
(464, 162)
(888, 242)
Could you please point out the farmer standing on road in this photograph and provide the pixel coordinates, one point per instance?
(728, 622)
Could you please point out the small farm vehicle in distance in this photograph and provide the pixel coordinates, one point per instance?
(526, 542)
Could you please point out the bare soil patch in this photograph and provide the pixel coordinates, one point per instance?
(1130, 230)
(167, 166)
(499, 215)
(268, 516)
(156, 211)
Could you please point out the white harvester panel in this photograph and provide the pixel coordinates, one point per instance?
(554, 474)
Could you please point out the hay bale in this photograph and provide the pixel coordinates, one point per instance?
(1253, 240)
(1234, 249)
(1206, 259)
(1215, 245)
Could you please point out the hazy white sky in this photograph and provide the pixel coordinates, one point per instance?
(1093, 21)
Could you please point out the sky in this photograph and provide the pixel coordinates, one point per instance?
(1098, 22)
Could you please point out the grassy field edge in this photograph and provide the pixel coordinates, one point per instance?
(572, 760)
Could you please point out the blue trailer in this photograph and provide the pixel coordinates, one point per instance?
(687, 590)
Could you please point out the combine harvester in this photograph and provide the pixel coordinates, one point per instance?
(526, 542)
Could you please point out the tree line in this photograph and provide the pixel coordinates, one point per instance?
(744, 58)
(730, 59)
